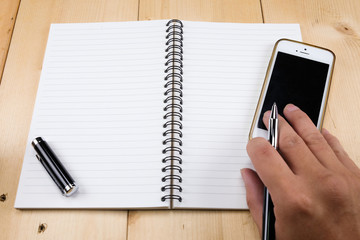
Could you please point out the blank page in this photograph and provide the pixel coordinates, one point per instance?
(100, 106)
(224, 68)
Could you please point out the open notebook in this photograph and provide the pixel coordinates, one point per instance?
(152, 114)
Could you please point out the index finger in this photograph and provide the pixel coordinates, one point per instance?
(314, 140)
(294, 150)
(270, 166)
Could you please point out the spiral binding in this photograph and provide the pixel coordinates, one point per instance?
(173, 111)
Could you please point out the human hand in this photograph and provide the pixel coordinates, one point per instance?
(314, 185)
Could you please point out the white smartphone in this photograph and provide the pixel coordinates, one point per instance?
(300, 74)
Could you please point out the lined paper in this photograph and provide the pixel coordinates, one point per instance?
(224, 68)
(100, 107)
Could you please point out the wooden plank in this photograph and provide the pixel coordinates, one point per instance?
(17, 97)
(191, 224)
(195, 224)
(8, 12)
(335, 25)
(201, 10)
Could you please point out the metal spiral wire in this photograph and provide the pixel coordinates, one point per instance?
(173, 111)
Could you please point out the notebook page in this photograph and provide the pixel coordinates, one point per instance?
(100, 106)
(224, 68)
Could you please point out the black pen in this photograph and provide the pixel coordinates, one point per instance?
(268, 226)
(53, 166)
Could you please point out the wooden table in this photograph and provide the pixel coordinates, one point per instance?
(24, 28)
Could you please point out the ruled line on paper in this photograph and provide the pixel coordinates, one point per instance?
(92, 96)
(114, 46)
(127, 63)
(96, 60)
(196, 193)
(138, 55)
(87, 78)
(112, 162)
(102, 177)
(93, 121)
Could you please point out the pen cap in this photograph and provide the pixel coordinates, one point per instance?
(54, 167)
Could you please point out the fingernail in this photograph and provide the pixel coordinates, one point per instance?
(325, 131)
(291, 107)
(267, 114)
(243, 175)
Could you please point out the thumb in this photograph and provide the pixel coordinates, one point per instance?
(254, 194)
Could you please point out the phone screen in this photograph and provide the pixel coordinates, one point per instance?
(298, 81)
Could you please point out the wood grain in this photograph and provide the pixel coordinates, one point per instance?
(195, 224)
(335, 25)
(8, 11)
(201, 10)
(191, 224)
(17, 97)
